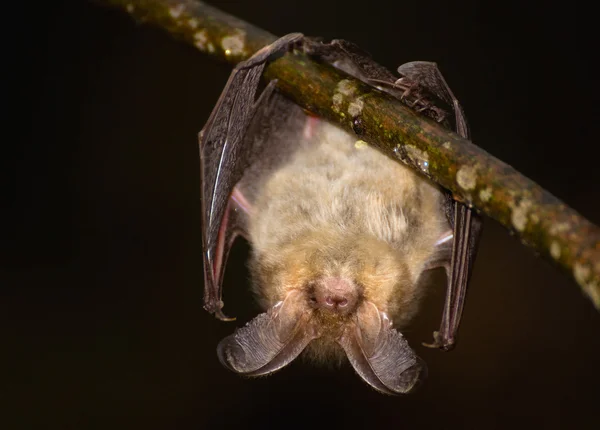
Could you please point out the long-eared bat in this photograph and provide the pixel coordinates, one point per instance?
(340, 233)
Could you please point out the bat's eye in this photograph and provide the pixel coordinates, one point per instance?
(310, 288)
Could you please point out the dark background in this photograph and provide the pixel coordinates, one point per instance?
(101, 274)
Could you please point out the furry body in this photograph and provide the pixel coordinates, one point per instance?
(344, 211)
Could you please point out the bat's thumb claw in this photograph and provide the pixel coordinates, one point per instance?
(432, 345)
(216, 309)
(440, 343)
(220, 315)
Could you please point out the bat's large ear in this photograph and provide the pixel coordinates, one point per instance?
(270, 341)
(380, 354)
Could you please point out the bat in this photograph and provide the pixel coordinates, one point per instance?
(341, 235)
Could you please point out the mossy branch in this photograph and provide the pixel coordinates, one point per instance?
(537, 218)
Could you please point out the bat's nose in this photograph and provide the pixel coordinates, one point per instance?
(336, 294)
(336, 300)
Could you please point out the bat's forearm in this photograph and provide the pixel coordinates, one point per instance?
(538, 218)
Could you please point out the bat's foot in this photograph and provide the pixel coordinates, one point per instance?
(407, 85)
(439, 342)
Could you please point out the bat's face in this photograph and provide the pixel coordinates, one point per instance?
(335, 273)
(330, 295)
(332, 278)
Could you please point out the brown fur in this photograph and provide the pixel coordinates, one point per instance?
(350, 212)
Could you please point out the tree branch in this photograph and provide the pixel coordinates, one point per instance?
(537, 218)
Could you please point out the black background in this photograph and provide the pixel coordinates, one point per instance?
(101, 274)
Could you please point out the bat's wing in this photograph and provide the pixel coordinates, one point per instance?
(225, 153)
(465, 223)
(348, 57)
(466, 227)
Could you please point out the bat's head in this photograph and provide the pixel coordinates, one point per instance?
(332, 294)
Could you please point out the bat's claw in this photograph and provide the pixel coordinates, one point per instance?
(440, 343)
(215, 308)
(405, 84)
(220, 315)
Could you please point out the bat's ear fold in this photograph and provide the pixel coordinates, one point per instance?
(380, 354)
(270, 341)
